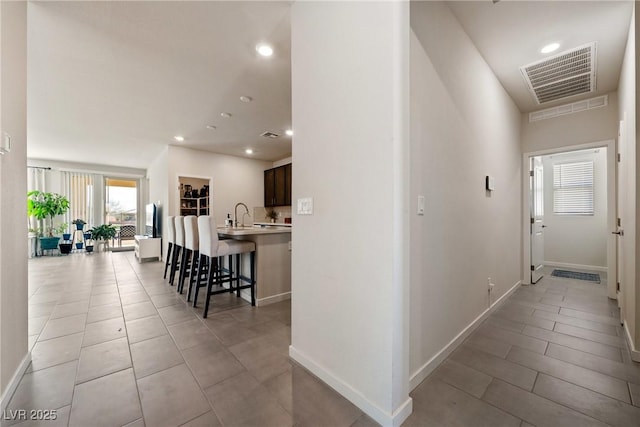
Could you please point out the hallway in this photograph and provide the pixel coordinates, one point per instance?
(113, 345)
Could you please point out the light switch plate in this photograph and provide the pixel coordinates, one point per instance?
(305, 206)
(420, 205)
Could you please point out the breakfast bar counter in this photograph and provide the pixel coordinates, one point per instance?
(273, 260)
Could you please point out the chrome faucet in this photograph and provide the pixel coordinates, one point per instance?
(235, 218)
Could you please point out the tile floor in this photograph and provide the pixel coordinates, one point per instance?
(552, 355)
(114, 345)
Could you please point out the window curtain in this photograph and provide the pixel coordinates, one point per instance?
(79, 188)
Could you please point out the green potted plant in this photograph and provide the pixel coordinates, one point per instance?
(79, 223)
(45, 207)
(272, 215)
(104, 232)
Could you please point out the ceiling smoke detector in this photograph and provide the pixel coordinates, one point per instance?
(269, 134)
(566, 74)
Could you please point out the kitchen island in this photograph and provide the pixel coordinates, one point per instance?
(273, 260)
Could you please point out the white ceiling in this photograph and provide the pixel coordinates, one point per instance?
(510, 34)
(113, 82)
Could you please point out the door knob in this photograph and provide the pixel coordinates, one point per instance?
(619, 233)
(544, 226)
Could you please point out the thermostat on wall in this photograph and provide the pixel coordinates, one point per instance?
(490, 183)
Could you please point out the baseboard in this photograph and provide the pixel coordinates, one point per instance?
(273, 299)
(424, 371)
(576, 266)
(635, 354)
(245, 294)
(382, 417)
(15, 380)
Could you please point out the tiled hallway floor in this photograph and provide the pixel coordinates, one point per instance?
(552, 355)
(114, 345)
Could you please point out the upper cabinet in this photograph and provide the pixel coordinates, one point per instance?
(277, 186)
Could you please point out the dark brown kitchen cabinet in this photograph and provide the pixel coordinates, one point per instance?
(277, 186)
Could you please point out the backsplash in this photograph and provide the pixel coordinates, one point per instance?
(260, 214)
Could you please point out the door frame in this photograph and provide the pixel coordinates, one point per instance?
(610, 144)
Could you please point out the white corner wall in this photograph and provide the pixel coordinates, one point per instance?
(158, 184)
(464, 126)
(578, 241)
(14, 354)
(233, 179)
(627, 114)
(349, 296)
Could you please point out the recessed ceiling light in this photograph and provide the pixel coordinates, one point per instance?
(248, 151)
(289, 132)
(264, 49)
(246, 98)
(225, 115)
(211, 127)
(179, 138)
(552, 47)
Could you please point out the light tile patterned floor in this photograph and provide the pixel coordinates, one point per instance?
(552, 355)
(114, 345)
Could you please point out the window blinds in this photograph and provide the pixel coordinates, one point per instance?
(573, 188)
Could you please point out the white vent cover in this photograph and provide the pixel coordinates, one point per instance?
(566, 74)
(561, 110)
(268, 134)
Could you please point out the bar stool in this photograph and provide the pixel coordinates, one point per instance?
(171, 238)
(190, 253)
(211, 248)
(178, 244)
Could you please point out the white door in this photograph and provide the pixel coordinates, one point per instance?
(537, 218)
(621, 194)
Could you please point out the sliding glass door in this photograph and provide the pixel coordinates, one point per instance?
(121, 208)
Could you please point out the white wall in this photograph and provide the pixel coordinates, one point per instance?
(464, 126)
(349, 102)
(233, 179)
(13, 176)
(158, 185)
(627, 111)
(599, 124)
(580, 240)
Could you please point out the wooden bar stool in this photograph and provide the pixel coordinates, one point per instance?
(178, 244)
(171, 238)
(211, 248)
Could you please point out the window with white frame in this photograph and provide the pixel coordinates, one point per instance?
(573, 188)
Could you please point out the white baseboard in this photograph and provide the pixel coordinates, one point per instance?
(635, 354)
(15, 380)
(272, 299)
(575, 266)
(384, 418)
(424, 371)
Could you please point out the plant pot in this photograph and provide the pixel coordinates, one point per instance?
(87, 236)
(79, 245)
(65, 248)
(49, 243)
(89, 248)
(66, 236)
(79, 227)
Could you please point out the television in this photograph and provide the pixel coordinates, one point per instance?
(152, 226)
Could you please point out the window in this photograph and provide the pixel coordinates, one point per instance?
(573, 188)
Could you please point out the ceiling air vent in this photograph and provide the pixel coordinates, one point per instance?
(576, 107)
(566, 74)
(268, 134)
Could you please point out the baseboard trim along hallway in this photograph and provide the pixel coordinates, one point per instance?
(436, 360)
(13, 384)
(384, 418)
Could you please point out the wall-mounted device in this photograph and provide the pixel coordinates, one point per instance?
(490, 183)
(5, 143)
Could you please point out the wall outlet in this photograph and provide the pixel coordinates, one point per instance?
(489, 284)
